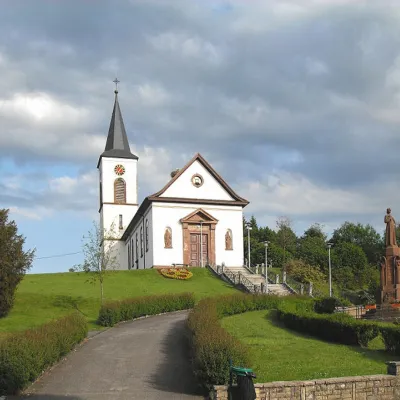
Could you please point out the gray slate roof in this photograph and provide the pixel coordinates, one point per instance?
(117, 145)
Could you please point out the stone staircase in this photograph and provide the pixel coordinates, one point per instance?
(255, 280)
(278, 289)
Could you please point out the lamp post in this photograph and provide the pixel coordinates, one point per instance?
(248, 243)
(330, 269)
(266, 266)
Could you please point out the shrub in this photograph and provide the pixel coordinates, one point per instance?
(212, 345)
(391, 337)
(112, 312)
(340, 328)
(303, 272)
(25, 355)
(326, 305)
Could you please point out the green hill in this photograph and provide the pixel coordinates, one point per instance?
(43, 297)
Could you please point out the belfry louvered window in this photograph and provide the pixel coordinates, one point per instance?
(119, 191)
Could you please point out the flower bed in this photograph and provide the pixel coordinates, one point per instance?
(176, 273)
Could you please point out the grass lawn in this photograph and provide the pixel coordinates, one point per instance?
(283, 355)
(43, 297)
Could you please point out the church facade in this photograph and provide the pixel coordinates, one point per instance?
(195, 219)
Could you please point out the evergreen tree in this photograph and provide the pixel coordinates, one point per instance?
(14, 261)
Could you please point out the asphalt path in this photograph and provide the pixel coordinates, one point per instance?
(144, 359)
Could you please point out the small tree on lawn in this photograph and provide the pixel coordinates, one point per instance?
(100, 258)
(14, 261)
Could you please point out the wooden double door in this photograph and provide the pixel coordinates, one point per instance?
(198, 247)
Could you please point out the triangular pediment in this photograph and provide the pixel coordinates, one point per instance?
(198, 180)
(199, 216)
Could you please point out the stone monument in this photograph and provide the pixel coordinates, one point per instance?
(390, 264)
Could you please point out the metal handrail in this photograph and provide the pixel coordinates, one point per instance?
(250, 286)
(230, 275)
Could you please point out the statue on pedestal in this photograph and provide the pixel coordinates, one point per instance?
(390, 264)
(390, 229)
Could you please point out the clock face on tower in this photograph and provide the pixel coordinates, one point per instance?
(119, 169)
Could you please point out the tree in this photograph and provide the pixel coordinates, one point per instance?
(304, 272)
(313, 250)
(315, 231)
(364, 236)
(14, 261)
(312, 247)
(350, 263)
(285, 236)
(100, 255)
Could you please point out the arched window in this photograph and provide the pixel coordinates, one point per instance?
(137, 252)
(147, 235)
(168, 238)
(129, 255)
(132, 260)
(119, 191)
(228, 240)
(141, 241)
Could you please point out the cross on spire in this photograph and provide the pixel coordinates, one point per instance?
(116, 81)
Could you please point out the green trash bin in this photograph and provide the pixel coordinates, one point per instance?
(245, 385)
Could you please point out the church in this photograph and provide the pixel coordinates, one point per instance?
(196, 219)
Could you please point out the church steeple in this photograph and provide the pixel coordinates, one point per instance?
(117, 145)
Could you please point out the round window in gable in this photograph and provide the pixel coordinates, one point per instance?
(197, 180)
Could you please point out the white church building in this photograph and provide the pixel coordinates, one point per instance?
(195, 219)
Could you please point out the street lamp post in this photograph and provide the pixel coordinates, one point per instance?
(248, 243)
(266, 266)
(330, 269)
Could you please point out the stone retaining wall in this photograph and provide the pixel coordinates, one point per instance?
(372, 387)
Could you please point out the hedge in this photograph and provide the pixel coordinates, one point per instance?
(340, 328)
(213, 346)
(116, 311)
(25, 355)
(391, 337)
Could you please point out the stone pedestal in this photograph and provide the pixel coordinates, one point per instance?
(390, 275)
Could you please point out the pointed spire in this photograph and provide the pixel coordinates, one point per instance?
(117, 145)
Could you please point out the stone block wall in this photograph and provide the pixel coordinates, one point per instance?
(372, 387)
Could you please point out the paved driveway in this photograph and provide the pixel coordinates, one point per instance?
(143, 359)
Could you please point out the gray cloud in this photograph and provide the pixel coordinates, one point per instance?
(292, 86)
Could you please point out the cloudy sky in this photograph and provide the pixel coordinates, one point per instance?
(295, 103)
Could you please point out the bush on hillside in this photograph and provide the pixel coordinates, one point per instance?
(391, 337)
(340, 328)
(116, 311)
(213, 346)
(14, 261)
(25, 355)
(327, 305)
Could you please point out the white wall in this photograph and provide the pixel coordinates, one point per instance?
(183, 187)
(169, 215)
(118, 251)
(145, 261)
